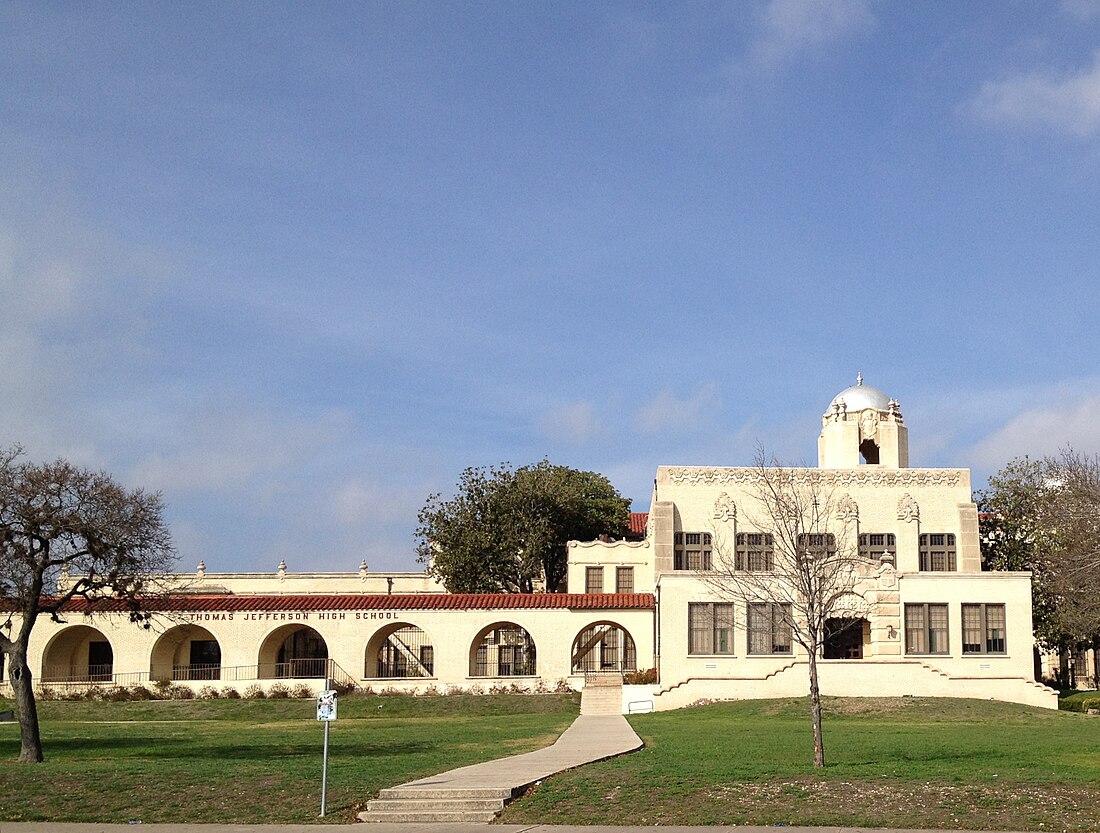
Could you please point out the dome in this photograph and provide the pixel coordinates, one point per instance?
(860, 396)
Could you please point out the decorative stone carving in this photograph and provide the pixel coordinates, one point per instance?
(908, 510)
(282, 569)
(847, 509)
(724, 508)
(868, 424)
(363, 570)
(200, 571)
(887, 574)
(870, 476)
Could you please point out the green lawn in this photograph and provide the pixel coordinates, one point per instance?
(255, 760)
(912, 762)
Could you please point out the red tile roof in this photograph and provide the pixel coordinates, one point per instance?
(638, 521)
(420, 601)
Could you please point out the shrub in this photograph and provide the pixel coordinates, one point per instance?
(140, 692)
(180, 692)
(278, 691)
(301, 691)
(646, 677)
(429, 691)
(208, 692)
(231, 694)
(255, 692)
(562, 686)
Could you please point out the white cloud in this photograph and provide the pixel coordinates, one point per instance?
(574, 423)
(1041, 431)
(1066, 102)
(789, 27)
(1083, 10)
(668, 413)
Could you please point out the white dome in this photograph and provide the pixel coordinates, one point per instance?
(860, 396)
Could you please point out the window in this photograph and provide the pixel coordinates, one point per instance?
(873, 545)
(710, 628)
(769, 629)
(692, 551)
(624, 579)
(754, 552)
(593, 579)
(926, 629)
(503, 650)
(983, 629)
(937, 552)
(817, 544)
(604, 647)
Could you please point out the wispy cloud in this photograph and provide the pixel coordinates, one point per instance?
(1066, 102)
(573, 422)
(789, 27)
(1040, 431)
(667, 412)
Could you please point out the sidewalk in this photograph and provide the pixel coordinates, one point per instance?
(26, 827)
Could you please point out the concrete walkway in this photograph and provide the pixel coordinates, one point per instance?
(478, 792)
(73, 827)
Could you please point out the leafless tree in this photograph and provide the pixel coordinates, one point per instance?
(68, 533)
(808, 569)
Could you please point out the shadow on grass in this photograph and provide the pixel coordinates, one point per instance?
(183, 748)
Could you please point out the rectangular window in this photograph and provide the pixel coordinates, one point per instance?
(817, 544)
(624, 579)
(754, 552)
(873, 545)
(926, 629)
(593, 579)
(937, 552)
(983, 628)
(769, 628)
(710, 628)
(692, 551)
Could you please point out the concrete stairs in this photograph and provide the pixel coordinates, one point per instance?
(602, 694)
(476, 805)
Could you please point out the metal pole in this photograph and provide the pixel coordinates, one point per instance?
(324, 772)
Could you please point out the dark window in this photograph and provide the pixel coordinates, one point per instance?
(604, 647)
(504, 651)
(769, 628)
(692, 551)
(937, 552)
(817, 544)
(593, 579)
(872, 545)
(926, 629)
(406, 652)
(101, 661)
(754, 552)
(710, 628)
(624, 579)
(983, 628)
(205, 662)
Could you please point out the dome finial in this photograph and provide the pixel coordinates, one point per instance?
(859, 378)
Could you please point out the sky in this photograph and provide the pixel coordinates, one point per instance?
(296, 266)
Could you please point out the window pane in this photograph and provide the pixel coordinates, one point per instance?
(937, 629)
(700, 628)
(972, 629)
(915, 629)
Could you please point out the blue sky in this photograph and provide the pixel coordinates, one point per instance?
(296, 266)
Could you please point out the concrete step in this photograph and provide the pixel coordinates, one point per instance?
(491, 805)
(445, 792)
(601, 700)
(428, 816)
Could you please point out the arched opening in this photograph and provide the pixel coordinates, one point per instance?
(295, 651)
(503, 650)
(399, 651)
(868, 450)
(604, 646)
(845, 637)
(79, 654)
(186, 652)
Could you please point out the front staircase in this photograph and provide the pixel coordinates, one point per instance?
(478, 805)
(602, 694)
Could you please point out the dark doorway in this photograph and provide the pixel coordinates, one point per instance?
(101, 661)
(843, 638)
(869, 450)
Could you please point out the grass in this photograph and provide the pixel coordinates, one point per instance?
(255, 760)
(908, 762)
(898, 762)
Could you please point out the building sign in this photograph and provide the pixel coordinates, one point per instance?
(326, 705)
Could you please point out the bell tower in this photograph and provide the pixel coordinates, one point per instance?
(862, 427)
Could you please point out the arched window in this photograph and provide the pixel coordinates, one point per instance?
(78, 654)
(400, 651)
(295, 651)
(503, 650)
(186, 652)
(604, 646)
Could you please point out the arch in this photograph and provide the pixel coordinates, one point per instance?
(846, 637)
(186, 652)
(604, 646)
(503, 649)
(78, 654)
(293, 651)
(399, 650)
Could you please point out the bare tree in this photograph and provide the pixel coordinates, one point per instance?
(68, 533)
(804, 571)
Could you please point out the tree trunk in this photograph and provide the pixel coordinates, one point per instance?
(815, 712)
(30, 738)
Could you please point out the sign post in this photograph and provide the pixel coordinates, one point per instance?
(326, 712)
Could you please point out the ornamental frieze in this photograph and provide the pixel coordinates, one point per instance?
(885, 478)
